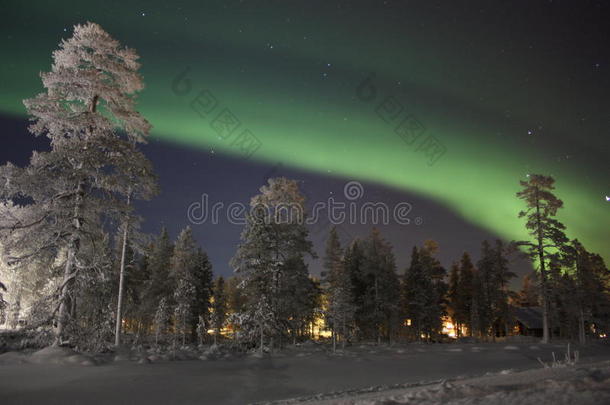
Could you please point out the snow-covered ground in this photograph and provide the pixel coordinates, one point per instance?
(587, 384)
(61, 377)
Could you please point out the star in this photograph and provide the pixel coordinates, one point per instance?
(607, 198)
(143, 14)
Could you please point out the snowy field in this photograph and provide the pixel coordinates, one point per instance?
(52, 377)
(587, 384)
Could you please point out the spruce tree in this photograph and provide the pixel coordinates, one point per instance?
(418, 296)
(453, 297)
(274, 234)
(191, 277)
(466, 295)
(202, 278)
(494, 277)
(354, 266)
(591, 296)
(159, 285)
(436, 310)
(341, 306)
(381, 299)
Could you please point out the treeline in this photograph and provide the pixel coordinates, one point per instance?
(368, 300)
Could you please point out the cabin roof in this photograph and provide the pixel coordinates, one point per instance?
(530, 317)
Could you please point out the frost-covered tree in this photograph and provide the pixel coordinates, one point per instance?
(274, 233)
(183, 298)
(95, 297)
(546, 231)
(190, 263)
(181, 273)
(3, 304)
(88, 113)
(158, 284)
(161, 319)
(202, 278)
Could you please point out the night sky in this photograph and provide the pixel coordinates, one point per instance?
(499, 89)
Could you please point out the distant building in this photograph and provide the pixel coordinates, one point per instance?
(528, 321)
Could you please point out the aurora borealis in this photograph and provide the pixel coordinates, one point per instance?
(508, 90)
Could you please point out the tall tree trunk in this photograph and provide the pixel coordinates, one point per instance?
(543, 286)
(261, 348)
(581, 327)
(73, 246)
(119, 309)
(65, 294)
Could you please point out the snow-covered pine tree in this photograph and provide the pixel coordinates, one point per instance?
(94, 296)
(183, 265)
(91, 167)
(202, 278)
(274, 232)
(183, 298)
(161, 319)
(3, 304)
(159, 284)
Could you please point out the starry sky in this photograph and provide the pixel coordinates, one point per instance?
(444, 105)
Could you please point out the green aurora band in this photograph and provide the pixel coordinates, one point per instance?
(327, 128)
